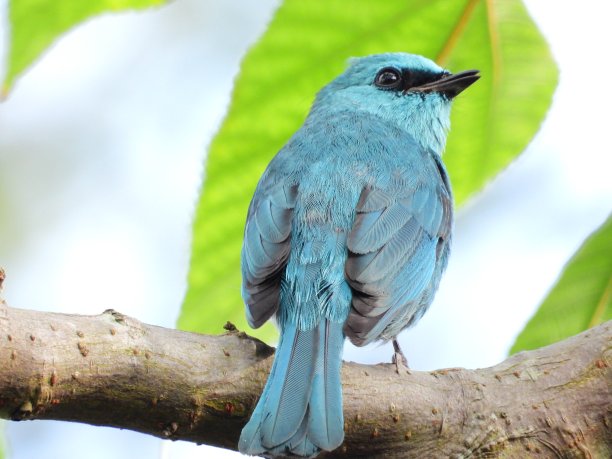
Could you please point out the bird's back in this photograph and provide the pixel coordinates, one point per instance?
(331, 164)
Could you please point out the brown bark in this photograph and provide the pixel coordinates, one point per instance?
(115, 371)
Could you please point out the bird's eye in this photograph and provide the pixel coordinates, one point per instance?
(388, 78)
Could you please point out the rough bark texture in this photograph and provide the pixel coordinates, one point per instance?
(113, 370)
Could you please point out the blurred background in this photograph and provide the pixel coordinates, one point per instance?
(102, 146)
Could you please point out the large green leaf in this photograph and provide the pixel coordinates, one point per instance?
(36, 24)
(2, 447)
(581, 298)
(305, 46)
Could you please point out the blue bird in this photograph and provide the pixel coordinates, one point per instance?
(347, 235)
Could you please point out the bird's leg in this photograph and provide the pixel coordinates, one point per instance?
(399, 359)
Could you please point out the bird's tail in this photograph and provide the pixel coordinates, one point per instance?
(300, 410)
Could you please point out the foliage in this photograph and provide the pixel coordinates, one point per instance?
(581, 298)
(36, 24)
(2, 445)
(305, 46)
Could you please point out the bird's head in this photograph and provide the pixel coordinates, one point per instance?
(407, 90)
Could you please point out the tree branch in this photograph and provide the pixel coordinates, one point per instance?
(115, 371)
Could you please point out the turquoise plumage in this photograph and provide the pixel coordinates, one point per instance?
(347, 235)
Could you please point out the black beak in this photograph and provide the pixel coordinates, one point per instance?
(451, 84)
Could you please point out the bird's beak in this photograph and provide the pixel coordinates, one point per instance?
(451, 85)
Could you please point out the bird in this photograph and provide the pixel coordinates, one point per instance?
(347, 236)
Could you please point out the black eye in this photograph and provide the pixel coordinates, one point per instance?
(388, 78)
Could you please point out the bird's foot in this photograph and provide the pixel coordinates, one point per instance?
(399, 359)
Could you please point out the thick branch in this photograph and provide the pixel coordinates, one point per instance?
(116, 371)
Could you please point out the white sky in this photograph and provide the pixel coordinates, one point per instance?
(100, 168)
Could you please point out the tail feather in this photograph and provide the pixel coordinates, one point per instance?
(325, 414)
(289, 402)
(251, 436)
(299, 445)
(300, 410)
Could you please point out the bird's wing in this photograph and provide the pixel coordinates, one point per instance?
(394, 247)
(266, 246)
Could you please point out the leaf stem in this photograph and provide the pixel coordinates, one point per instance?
(495, 45)
(601, 305)
(456, 33)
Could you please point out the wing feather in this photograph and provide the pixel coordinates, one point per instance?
(266, 247)
(395, 250)
(374, 229)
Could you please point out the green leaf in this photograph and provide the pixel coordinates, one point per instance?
(306, 45)
(36, 24)
(581, 298)
(2, 444)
